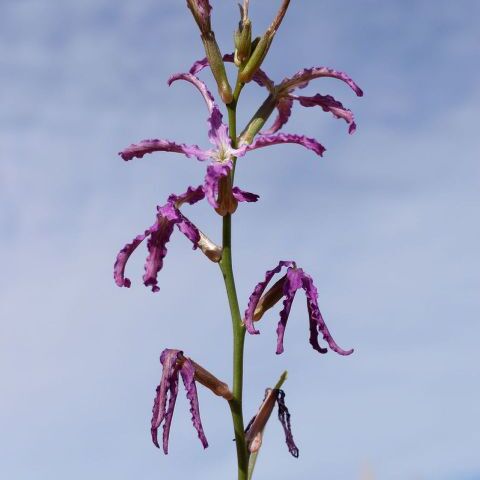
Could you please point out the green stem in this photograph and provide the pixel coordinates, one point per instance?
(237, 324)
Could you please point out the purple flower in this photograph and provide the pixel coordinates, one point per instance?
(174, 363)
(287, 286)
(256, 426)
(285, 96)
(223, 153)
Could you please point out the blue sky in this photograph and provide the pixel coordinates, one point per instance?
(386, 223)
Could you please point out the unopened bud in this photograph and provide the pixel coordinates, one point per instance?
(269, 299)
(243, 38)
(261, 49)
(262, 417)
(209, 248)
(215, 59)
(201, 10)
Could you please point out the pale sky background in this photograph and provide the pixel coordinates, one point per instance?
(386, 223)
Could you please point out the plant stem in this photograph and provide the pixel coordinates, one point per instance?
(237, 325)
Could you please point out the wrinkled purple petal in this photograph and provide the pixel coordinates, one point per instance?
(159, 235)
(215, 172)
(157, 249)
(168, 385)
(138, 150)
(292, 283)
(258, 292)
(260, 77)
(242, 196)
(284, 108)
(267, 140)
(191, 196)
(302, 78)
(316, 316)
(124, 255)
(188, 376)
(329, 104)
(284, 417)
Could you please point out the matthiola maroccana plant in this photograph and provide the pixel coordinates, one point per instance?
(218, 189)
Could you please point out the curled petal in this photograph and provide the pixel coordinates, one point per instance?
(329, 104)
(157, 249)
(316, 317)
(188, 376)
(284, 417)
(242, 196)
(218, 132)
(284, 108)
(159, 235)
(292, 283)
(257, 293)
(302, 78)
(267, 140)
(166, 390)
(202, 88)
(215, 172)
(191, 196)
(138, 150)
(124, 255)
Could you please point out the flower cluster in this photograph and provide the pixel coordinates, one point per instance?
(218, 189)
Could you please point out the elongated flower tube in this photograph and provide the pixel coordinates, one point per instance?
(222, 154)
(256, 426)
(174, 363)
(287, 286)
(168, 216)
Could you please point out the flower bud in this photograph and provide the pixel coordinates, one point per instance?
(243, 37)
(261, 50)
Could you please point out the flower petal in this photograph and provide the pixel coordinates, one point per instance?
(138, 150)
(316, 317)
(218, 132)
(156, 245)
(168, 384)
(202, 88)
(267, 140)
(284, 417)
(329, 104)
(188, 376)
(302, 78)
(292, 283)
(242, 196)
(124, 255)
(284, 108)
(257, 293)
(191, 196)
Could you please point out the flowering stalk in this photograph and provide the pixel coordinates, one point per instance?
(219, 191)
(238, 328)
